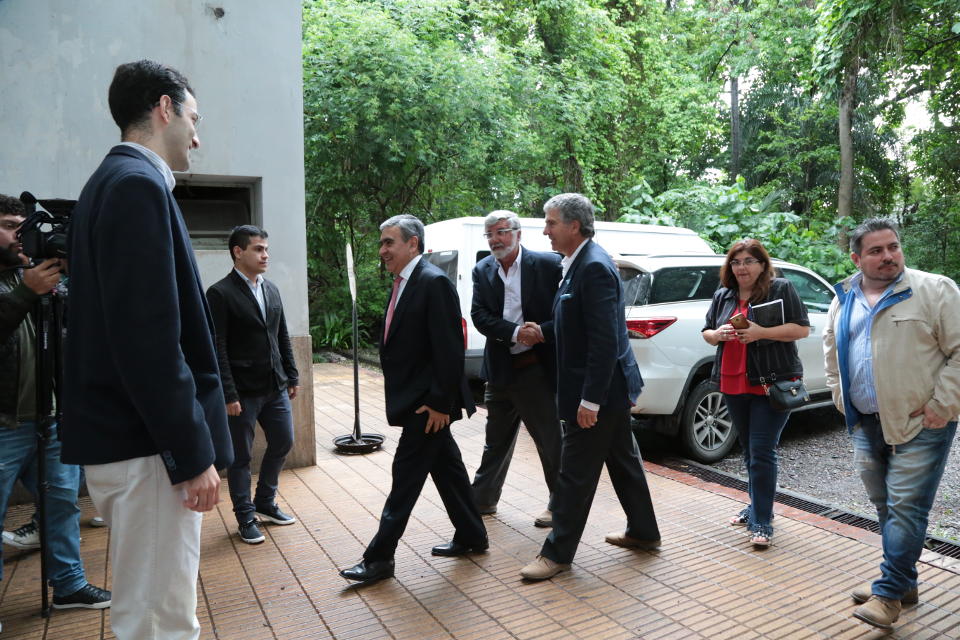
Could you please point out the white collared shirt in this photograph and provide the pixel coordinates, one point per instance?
(157, 162)
(256, 287)
(405, 275)
(567, 261)
(512, 300)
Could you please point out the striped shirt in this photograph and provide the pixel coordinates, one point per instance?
(863, 390)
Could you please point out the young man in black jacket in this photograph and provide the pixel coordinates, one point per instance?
(259, 376)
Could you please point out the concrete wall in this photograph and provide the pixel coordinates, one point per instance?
(243, 58)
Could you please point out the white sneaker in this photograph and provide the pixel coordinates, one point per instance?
(25, 537)
(97, 521)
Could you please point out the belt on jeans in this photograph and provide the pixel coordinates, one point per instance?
(873, 416)
(524, 359)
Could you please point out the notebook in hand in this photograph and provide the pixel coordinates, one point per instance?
(768, 314)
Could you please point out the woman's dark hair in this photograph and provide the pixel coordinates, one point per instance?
(762, 287)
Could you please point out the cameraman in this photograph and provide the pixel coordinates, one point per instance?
(18, 417)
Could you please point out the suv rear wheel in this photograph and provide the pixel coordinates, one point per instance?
(706, 429)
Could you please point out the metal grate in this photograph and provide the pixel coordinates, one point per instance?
(803, 503)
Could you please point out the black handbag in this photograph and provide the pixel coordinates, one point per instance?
(787, 395)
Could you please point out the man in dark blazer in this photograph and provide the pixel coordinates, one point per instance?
(143, 408)
(513, 291)
(259, 377)
(598, 382)
(421, 353)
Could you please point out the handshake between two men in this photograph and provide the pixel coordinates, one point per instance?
(530, 334)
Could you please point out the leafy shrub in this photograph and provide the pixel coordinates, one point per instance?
(723, 214)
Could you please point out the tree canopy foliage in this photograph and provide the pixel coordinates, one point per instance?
(447, 108)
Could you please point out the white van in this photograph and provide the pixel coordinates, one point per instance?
(456, 245)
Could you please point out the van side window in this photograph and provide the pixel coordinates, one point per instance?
(816, 297)
(677, 284)
(636, 286)
(446, 261)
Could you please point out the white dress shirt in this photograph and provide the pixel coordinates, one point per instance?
(405, 275)
(512, 300)
(157, 162)
(565, 263)
(256, 287)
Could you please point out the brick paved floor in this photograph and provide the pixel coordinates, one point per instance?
(705, 582)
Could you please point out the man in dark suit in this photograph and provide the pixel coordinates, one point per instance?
(421, 353)
(259, 377)
(598, 382)
(513, 290)
(143, 408)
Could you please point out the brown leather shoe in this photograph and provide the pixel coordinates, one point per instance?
(623, 540)
(542, 568)
(862, 593)
(544, 520)
(878, 611)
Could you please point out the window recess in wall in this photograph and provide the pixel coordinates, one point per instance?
(213, 206)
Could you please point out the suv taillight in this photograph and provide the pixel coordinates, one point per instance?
(648, 327)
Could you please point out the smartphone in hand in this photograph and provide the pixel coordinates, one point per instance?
(738, 321)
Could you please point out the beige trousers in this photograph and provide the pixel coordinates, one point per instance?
(154, 550)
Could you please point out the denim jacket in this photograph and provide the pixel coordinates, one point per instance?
(767, 360)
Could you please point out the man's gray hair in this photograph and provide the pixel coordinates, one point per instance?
(501, 214)
(573, 206)
(869, 226)
(409, 226)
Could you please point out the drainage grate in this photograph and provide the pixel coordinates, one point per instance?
(801, 502)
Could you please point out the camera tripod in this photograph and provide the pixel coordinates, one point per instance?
(48, 322)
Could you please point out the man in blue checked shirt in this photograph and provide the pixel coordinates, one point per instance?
(892, 348)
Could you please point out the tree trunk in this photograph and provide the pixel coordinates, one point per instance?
(736, 134)
(848, 102)
(572, 171)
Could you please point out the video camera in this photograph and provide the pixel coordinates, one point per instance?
(44, 232)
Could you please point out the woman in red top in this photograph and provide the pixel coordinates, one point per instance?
(748, 356)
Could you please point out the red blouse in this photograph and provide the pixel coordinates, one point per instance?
(733, 365)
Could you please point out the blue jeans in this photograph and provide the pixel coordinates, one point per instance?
(901, 482)
(273, 413)
(758, 427)
(18, 455)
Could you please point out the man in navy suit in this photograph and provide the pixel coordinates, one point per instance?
(259, 377)
(143, 407)
(421, 353)
(598, 382)
(513, 290)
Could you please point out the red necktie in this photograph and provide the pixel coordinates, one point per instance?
(393, 305)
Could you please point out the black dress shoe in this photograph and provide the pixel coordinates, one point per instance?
(365, 571)
(454, 548)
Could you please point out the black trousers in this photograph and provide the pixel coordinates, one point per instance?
(530, 398)
(418, 455)
(585, 451)
(275, 416)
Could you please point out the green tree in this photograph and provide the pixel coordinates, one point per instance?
(402, 111)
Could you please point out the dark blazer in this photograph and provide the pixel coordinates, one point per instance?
(140, 368)
(422, 357)
(539, 277)
(255, 354)
(594, 359)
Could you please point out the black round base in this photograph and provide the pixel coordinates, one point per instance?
(368, 443)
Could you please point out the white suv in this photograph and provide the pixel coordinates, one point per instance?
(667, 297)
